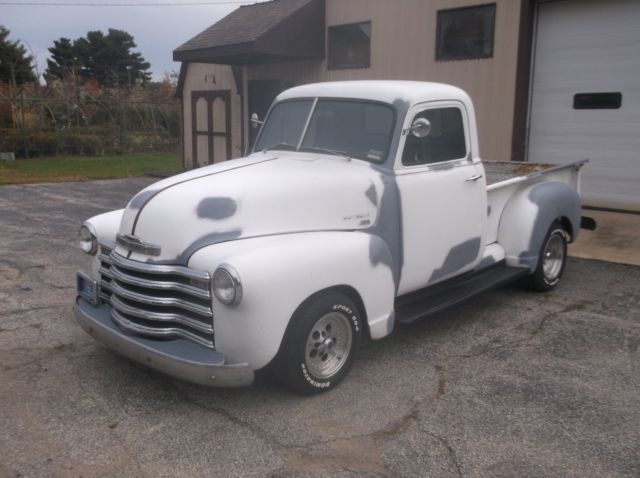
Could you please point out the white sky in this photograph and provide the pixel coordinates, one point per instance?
(157, 30)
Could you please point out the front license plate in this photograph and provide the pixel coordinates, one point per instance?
(87, 288)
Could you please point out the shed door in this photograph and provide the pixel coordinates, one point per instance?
(211, 120)
(585, 99)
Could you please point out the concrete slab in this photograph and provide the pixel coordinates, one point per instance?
(616, 239)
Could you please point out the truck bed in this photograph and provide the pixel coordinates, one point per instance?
(501, 171)
(506, 178)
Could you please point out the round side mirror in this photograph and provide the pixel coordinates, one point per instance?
(255, 121)
(420, 128)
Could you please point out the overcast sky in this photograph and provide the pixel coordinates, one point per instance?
(157, 30)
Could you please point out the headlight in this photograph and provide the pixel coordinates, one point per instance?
(88, 239)
(227, 286)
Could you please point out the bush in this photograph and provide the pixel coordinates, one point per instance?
(83, 141)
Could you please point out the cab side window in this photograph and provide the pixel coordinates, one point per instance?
(444, 142)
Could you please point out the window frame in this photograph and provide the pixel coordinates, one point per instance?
(331, 65)
(439, 56)
(315, 100)
(401, 168)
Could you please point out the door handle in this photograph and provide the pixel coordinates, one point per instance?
(474, 178)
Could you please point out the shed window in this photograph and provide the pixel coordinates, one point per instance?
(465, 33)
(350, 46)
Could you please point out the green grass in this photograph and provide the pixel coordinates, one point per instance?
(82, 168)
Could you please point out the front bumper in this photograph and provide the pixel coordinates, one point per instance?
(179, 358)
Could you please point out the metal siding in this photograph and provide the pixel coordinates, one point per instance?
(586, 47)
(400, 51)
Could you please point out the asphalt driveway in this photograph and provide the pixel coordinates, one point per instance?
(509, 384)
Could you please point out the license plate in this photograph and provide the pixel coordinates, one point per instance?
(87, 288)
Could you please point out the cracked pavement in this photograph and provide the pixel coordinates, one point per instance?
(510, 383)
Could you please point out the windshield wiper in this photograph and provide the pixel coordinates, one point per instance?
(334, 152)
(285, 146)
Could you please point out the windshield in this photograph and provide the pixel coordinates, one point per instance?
(357, 129)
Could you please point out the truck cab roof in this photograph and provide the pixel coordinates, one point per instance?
(386, 91)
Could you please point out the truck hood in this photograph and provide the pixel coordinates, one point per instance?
(256, 196)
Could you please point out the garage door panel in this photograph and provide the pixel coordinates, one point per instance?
(588, 46)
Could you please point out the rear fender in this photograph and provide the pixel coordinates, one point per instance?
(278, 273)
(527, 216)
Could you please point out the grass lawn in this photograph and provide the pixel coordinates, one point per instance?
(81, 168)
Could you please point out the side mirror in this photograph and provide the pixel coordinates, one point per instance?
(255, 121)
(420, 128)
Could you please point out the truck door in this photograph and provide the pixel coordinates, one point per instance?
(443, 197)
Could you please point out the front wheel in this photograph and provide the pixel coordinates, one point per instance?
(551, 261)
(320, 344)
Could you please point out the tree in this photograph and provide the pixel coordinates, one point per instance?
(16, 66)
(109, 59)
(63, 62)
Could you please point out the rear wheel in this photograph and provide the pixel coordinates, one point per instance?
(551, 261)
(320, 344)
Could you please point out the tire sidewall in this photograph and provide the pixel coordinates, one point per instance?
(293, 365)
(555, 229)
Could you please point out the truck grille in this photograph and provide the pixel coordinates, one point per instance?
(156, 301)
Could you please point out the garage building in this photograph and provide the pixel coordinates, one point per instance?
(552, 81)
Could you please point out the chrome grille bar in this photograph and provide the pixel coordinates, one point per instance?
(121, 291)
(156, 300)
(120, 306)
(159, 332)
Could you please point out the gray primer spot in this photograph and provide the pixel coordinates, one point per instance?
(372, 195)
(459, 256)
(388, 227)
(486, 262)
(554, 200)
(488, 211)
(216, 208)
(139, 199)
(204, 241)
(401, 108)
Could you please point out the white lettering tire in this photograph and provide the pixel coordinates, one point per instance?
(320, 344)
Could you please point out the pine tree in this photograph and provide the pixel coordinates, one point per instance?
(16, 66)
(109, 59)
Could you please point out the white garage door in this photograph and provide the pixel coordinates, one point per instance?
(585, 100)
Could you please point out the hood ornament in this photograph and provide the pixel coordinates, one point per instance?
(135, 244)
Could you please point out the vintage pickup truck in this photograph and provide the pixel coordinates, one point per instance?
(363, 205)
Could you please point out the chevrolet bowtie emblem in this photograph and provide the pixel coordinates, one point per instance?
(135, 244)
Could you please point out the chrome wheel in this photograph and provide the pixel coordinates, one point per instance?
(553, 256)
(328, 345)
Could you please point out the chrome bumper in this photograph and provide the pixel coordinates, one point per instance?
(179, 358)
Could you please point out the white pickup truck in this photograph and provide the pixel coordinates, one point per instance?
(363, 205)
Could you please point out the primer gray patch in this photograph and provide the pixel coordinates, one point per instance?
(141, 198)
(388, 228)
(459, 256)
(216, 208)
(204, 241)
(372, 194)
(488, 211)
(554, 200)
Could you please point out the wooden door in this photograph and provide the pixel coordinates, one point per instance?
(211, 126)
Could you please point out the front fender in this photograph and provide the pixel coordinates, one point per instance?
(527, 216)
(278, 273)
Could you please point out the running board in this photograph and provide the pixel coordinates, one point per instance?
(416, 305)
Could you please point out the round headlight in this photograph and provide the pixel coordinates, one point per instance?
(88, 239)
(226, 285)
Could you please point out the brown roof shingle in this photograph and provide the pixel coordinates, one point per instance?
(247, 25)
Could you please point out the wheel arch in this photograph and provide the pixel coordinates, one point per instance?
(529, 213)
